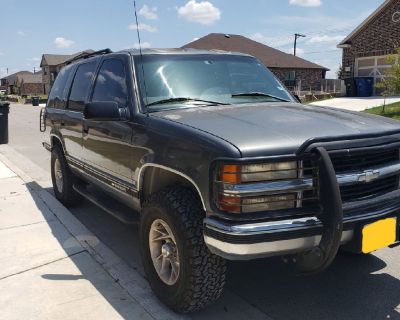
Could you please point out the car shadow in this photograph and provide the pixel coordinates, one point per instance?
(354, 287)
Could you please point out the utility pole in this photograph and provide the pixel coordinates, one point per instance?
(34, 70)
(296, 36)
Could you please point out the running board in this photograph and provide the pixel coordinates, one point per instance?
(111, 206)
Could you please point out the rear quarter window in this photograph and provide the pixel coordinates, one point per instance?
(59, 91)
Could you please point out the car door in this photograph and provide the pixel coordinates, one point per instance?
(72, 123)
(107, 144)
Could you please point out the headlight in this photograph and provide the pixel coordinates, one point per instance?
(259, 172)
(250, 175)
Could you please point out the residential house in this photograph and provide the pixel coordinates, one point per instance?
(51, 65)
(366, 49)
(23, 83)
(291, 70)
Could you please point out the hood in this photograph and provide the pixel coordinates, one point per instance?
(276, 128)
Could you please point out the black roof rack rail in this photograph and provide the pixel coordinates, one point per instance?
(88, 55)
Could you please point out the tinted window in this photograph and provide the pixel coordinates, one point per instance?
(81, 85)
(57, 95)
(111, 83)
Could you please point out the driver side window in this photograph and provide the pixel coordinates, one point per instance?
(111, 83)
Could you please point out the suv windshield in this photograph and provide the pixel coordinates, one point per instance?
(173, 81)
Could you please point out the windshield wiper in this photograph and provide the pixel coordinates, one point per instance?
(172, 100)
(258, 94)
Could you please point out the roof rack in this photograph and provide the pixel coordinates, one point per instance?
(88, 55)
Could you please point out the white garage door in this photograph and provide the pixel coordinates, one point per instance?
(375, 67)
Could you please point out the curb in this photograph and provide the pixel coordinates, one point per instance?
(129, 279)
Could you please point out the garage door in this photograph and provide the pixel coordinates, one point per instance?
(375, 67)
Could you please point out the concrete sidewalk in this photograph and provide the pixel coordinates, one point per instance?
(356, 104)
(45, 271)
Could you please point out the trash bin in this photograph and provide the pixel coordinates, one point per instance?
(35, 101)
(365, 86)
(4, 110)
(351, 88)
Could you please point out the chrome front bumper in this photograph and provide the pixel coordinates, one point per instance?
(248, 241)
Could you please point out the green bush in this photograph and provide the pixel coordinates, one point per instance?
(391, 83)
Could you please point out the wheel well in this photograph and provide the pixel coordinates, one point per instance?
(155, 179)
(55, 141)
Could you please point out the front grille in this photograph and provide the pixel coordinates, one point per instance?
(369, 190)
(363, 161)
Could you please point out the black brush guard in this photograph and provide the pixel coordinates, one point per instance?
(319, 258)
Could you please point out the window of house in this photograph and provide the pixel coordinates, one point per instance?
(290, 75)
(111, 83)
(81, 85)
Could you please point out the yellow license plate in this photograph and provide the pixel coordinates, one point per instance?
(379, 235)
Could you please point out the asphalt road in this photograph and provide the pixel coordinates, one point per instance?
(354, 287)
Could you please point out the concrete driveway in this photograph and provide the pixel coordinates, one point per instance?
(356, 104)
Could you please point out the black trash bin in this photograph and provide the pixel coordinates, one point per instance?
(351, 87)
(4, 110)
(35, 101)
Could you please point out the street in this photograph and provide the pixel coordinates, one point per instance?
(354, 287)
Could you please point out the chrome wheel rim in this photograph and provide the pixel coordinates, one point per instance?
(58, 175)
(164, 252)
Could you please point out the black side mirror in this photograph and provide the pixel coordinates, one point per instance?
(104, 110)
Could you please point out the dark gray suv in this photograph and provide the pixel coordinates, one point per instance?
(216, 160)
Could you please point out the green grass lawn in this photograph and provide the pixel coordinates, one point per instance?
(391, 111)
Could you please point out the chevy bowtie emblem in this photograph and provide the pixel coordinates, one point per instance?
(369, 176)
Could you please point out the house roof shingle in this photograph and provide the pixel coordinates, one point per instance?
(30, 78)
(56, 59)
(270, 57)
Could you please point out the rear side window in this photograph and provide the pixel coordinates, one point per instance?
(111, 83)
(58, 92)
(81, 85)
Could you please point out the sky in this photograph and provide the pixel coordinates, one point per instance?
(30, 28)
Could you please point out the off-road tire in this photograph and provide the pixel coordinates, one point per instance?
(202, 274)
(68, 196)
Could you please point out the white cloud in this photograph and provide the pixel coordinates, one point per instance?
(299, 51)
(276, 41)
(144, 45)
(306, 3)
(326, 39)
(61, 42)
(148, 13)
(1, 53)
(203, 12)
(143, 26)
(21, 33)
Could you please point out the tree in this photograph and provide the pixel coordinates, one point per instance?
(391, 83)
(340, 72)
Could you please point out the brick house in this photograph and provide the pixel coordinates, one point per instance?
(365, 50)
(23, 83)
(289, 69)
(51, 65)
(31, 84)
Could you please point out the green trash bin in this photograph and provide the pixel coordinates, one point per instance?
(35, 101)
(4, 111)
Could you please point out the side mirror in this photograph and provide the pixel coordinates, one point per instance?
(104, 110)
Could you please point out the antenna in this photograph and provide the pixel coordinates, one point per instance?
(140, 51)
